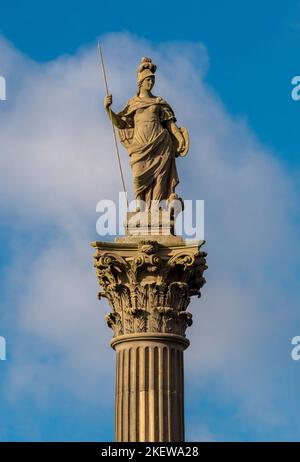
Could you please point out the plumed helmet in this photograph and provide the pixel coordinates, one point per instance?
(146, 69)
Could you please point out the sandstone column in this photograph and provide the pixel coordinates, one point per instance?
(148, 284)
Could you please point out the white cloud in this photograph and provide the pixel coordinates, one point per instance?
(57, 160)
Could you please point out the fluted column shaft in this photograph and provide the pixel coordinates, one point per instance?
(149, 403)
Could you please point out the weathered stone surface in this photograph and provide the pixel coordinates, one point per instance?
(149, 285)
(147, 129)
(149, 402)
(149, 276)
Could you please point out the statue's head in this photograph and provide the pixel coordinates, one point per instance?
(146, 74)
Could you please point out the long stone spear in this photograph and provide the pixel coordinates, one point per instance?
(112, 125)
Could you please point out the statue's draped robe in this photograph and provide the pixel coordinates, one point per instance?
(150, 147)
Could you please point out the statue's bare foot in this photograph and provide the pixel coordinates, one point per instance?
(172, 198)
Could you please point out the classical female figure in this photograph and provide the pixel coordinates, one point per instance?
(147, 129)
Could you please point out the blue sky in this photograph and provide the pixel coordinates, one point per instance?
(236, 60)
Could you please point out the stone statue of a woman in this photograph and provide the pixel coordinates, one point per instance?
(147, 128)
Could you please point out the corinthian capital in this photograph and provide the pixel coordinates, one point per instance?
(148, 285)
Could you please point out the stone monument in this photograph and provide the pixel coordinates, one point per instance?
(149, 276)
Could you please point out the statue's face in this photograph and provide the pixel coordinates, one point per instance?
(148, 83)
